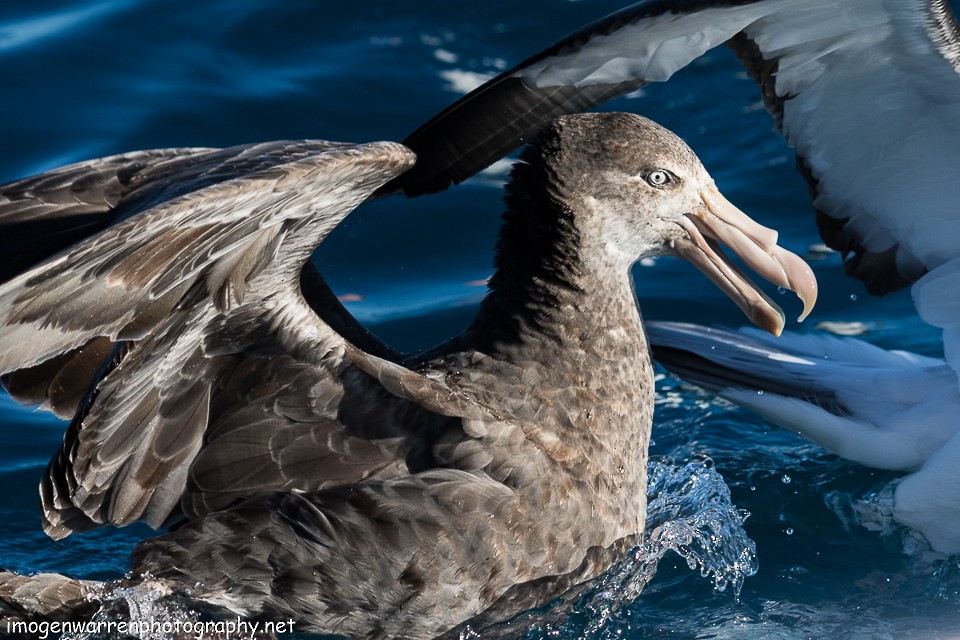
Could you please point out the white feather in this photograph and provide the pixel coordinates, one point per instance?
(889, 409)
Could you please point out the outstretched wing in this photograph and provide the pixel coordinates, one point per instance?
(212, 375)
(43, 215)
(645, 42)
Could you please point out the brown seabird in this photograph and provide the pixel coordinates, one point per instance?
(313, 473)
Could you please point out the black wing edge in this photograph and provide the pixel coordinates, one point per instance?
(488, 124)
(691, 362)
(499, 116)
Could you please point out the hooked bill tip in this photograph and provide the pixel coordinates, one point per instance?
(807, 291)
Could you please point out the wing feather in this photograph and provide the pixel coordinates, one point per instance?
(226, 382)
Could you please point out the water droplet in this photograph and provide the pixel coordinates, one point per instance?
(853, 297)
(789, 531)
(786, 479)
(781, 290)
(759, 392)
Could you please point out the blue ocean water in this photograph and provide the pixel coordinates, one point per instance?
(87, 78)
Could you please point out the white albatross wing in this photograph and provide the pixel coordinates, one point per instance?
(884, 409)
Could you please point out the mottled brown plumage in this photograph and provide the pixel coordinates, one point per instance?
(326, 478)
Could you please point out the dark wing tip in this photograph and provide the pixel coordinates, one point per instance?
(488, 124)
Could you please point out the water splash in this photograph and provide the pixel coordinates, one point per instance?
(689, 512)
(142, 610)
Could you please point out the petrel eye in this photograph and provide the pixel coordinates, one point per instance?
(659, 178)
